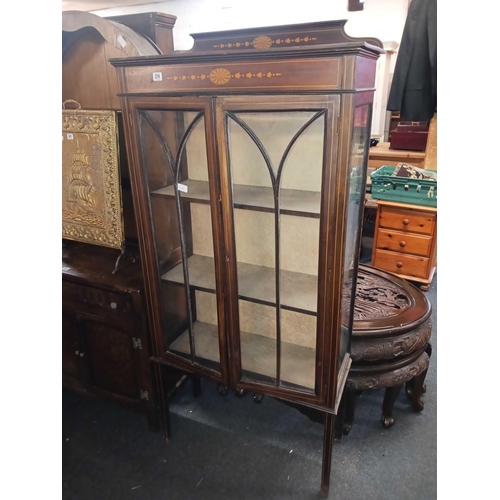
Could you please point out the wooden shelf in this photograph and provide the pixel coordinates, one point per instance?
(255, 283)
(258, 354)
(292, 201)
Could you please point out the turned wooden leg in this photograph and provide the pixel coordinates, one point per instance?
(391, 395)
(327, 453)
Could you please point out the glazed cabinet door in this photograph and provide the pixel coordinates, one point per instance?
(181, 231)
(278, 155)
(358, 145)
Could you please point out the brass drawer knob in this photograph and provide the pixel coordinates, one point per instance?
(399, 265)
(402, 244)
(406, 222)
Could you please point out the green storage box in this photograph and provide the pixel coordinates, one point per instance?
(387, 187)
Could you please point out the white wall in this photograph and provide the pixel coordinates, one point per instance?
(382, 19)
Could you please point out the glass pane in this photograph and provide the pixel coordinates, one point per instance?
(355, 203)
(299, 246)
(276, 168)
(175, 159)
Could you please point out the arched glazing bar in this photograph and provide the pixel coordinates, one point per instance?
(174, 166)
(275, 181)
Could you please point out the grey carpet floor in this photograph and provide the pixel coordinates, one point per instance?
(231, 448)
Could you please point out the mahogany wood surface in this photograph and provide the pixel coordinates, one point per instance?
(332, 76)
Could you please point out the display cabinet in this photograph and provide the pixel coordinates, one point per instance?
(248, 167)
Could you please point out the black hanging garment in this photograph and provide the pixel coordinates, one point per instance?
(414, 84)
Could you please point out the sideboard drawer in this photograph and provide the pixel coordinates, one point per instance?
(95, 298)
(407, 220)
(398, 241)
(402, 264)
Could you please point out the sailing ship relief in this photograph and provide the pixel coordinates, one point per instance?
(91, 197)
(81, 190)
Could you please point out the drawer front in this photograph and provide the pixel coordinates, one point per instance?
(412, 221)
(90, 299)
(407, 243)
(396, 263)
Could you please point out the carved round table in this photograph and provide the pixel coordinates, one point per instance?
(390, 344)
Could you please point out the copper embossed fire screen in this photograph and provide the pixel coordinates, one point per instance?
(91, 190)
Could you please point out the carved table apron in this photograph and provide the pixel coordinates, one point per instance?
(390, 344)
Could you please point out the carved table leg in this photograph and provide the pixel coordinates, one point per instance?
(416, 386)
(417, 391)
(350, 408)
(391, 394)
(327, 453)
(240, 393)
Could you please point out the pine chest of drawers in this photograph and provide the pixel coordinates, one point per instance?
(405, 241)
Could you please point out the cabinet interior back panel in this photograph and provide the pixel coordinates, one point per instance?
(255, 238)
(302, 169)
(296, 328)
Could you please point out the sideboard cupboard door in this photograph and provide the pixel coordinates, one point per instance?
(176, 153)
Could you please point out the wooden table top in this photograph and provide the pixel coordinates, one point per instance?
(382, 150)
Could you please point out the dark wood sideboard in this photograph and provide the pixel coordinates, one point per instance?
(106, 344)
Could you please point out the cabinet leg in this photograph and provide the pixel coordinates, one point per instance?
(391, 394)
(327, 453)
(164, 414)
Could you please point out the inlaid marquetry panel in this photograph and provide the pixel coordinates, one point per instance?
(315, 73)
